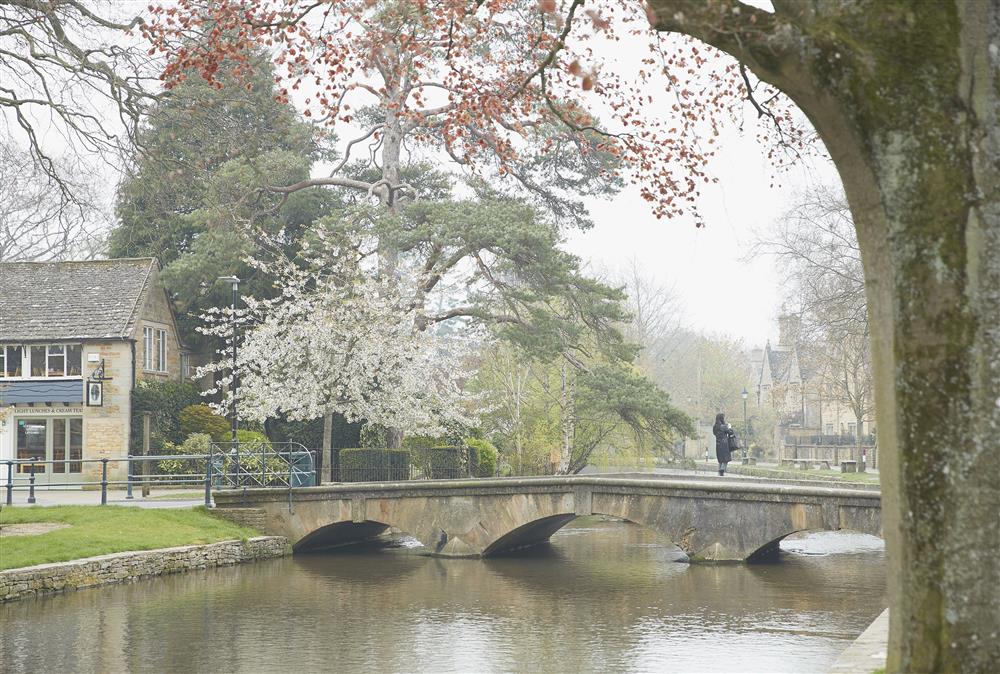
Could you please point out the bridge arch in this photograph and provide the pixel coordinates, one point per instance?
(339, 534)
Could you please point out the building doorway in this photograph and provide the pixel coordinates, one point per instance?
(55, 439)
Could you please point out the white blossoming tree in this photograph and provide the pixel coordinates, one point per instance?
(335, 339)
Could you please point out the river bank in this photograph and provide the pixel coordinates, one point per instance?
(125, 567)
(45, 550)
(89, 531)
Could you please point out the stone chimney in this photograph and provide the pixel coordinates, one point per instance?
(789, 327)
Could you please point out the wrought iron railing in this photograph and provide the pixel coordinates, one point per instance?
(226, 466)
(262, 464)
(831, 440)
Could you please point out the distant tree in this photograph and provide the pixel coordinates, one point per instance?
(654, 315)
(71, 68)
(564, 414)
(40, 221)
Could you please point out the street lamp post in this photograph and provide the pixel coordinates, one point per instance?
(746, 437)
(234, 384)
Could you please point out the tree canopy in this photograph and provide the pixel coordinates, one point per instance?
(193, 194)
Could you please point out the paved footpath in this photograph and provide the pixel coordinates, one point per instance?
(868, 651)
(158, 498)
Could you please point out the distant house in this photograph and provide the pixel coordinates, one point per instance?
(75, 337)
(809, 413)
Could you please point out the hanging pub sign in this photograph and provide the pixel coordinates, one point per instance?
(95, 394)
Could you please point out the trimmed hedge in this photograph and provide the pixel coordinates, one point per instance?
(374, 465)
(447, 463)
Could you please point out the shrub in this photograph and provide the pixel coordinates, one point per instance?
(486, 457)
(442, 462)
(309, 433)
(372, 436)
(164, 400)
(374, 465)
(421, 442)
(201, 419)
(246, 436)
(196, 443)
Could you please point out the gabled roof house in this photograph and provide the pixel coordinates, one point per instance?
(75, 337)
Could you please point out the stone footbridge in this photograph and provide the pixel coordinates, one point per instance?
(710, 519)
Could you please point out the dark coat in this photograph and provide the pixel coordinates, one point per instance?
(722, 452)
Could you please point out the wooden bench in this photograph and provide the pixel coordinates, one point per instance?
(848, 466)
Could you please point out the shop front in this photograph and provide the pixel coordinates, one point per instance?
(53, 435)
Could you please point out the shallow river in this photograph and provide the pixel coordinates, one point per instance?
(603, 596)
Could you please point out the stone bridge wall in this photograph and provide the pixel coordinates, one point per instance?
(717, 520)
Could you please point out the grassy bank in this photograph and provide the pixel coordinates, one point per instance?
(814, 474)
(100, 530)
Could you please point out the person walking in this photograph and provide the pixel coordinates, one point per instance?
(723, 432)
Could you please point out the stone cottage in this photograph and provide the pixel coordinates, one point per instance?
(75, 337)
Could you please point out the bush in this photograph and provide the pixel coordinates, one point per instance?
(201, 419)
(374, 465)
(486, 457)
(246, 436)
(421, 442)
(196, 443)
(164, 400)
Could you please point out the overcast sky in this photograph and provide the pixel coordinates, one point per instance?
(720, 290)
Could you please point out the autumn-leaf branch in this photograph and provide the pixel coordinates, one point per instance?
(553, 52)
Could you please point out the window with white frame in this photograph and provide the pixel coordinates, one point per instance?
(154, 349)
(40, 361)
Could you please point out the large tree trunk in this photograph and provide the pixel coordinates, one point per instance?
(905, 96)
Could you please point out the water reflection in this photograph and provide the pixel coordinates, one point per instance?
(602, 596)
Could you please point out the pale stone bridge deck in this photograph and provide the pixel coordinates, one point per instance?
(710, 519)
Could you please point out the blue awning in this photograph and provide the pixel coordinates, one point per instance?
(40, 391)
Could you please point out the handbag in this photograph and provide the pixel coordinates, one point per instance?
(734, 442)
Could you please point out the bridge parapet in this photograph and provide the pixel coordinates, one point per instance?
(711, 520)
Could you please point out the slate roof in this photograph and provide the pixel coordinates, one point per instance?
(93, 299)
(779, 360)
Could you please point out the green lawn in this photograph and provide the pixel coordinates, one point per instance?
(818, 473)
(99, 530)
